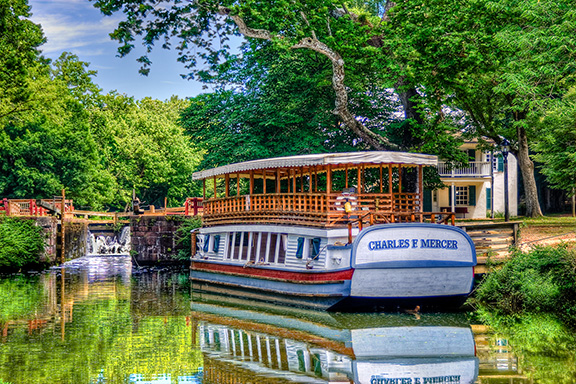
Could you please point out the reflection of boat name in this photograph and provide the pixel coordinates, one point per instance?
(412, 243)
(407, 380)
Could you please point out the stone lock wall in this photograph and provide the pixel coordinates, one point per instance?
(154, 239)
(75, 235)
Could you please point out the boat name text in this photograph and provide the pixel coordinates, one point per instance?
(412, 243)
(377, 379)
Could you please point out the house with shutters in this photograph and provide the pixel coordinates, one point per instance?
(476, 190)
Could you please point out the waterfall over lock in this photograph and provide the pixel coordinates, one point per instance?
(117, 244)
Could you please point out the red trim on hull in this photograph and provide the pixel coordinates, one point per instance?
(273, 273)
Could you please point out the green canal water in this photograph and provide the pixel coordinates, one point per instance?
(99, 320)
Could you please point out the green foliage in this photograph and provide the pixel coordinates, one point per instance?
(557, 143)
(21, 242)
(183, 236)
(98, 148)
(501, 62)
(19, 42)
(544, 344)
(19, 298)
(282, 98)
(143, 146)
(108, 334)
(542, 280)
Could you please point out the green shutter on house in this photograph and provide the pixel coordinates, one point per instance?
(500, 164)
(472, 195)
(488, 198)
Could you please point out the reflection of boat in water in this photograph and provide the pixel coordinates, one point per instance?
(245, 345)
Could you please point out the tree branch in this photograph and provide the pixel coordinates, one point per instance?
(374, 140)
(341, 108)
(243, 28)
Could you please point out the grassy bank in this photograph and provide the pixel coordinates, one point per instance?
(21, 243)
(553, 227)
(542, 280)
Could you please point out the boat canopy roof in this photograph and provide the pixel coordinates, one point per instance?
(372, 158)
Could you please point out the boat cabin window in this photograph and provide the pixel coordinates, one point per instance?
(276, 248)
(216, 244)
(257, 246)
(310, 247)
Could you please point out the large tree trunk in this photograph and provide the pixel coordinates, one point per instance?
(527, 169)
(408, 96)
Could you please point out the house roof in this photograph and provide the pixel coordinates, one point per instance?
(373, 158)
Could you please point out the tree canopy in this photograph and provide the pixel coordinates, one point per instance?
(20, 58)
(58, 131)
(340, 46)
(501, 62)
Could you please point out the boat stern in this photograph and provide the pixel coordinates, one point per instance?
(412, 261)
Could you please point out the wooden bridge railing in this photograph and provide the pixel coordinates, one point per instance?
(44, 207)
(32, 207)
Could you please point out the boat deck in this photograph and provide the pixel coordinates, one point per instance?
(319, 210)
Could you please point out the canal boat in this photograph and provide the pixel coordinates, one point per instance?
(330, 231)
(246, 345)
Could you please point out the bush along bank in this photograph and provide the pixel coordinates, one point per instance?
(21, 244)
(542, 280)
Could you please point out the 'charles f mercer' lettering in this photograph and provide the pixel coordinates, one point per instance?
(412, 243)
(443, 244)
(388, 244)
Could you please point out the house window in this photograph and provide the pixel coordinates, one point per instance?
(462, 195)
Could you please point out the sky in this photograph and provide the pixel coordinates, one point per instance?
(76, 26)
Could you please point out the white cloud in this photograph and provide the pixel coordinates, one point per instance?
(63, 34)
(72, 24)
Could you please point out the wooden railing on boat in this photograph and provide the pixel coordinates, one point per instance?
(319, 209)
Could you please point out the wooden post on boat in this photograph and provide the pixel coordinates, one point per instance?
(62, 230)
(193, 243)
(278, 181)
(381, 181)
(359, 182)
(227, 185)
(399, 178)
(421, 187)
(238, 184)
(349, 233)
(328, 188)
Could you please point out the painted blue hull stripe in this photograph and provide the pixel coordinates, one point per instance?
(395, 264)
